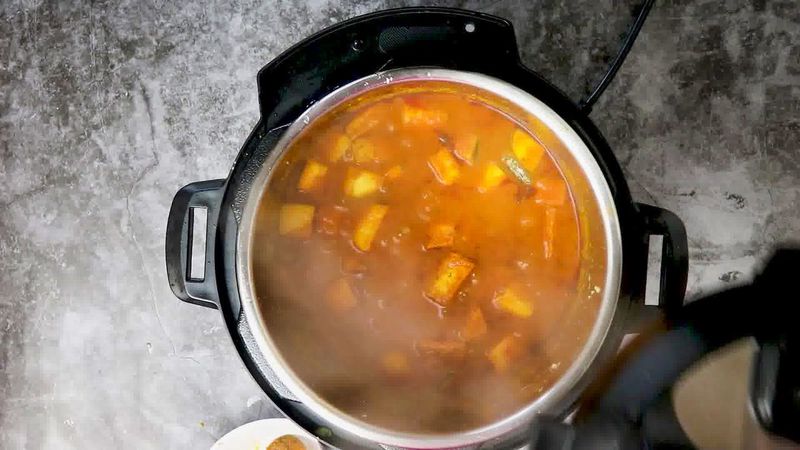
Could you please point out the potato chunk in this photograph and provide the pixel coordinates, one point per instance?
(441, 235)
(360, 183)
(528, 151)
(312, 176)
(502, 354)
(511, 302)
(551, 191)
(412, 115)
(295, 220)
(453, 270)
(363, 150)
(476, 324)
(493, 176)
(444, 166)
(394, 172)
(367, 120)
(395, 363)
(368, 227)
(465, 146)
(340, 297)
(338, 148)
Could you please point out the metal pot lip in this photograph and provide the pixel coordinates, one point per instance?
(554, 397)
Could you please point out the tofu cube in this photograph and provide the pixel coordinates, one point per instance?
(312, 176)
(444, 166)
(360, 183)
(368, 227)
(453, 270)
(295, 220)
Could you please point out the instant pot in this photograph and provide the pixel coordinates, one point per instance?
(390, 47)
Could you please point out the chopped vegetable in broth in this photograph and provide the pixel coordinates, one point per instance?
(415, 253)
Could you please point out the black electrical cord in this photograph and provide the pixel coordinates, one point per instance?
(586, 104)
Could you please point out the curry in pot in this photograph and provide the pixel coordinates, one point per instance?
(414, 253)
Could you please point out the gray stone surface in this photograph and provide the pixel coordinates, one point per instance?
(107, 108)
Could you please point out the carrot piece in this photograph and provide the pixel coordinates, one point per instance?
(340, 296)
(453, 270)
(295, 220)
(312, 176)
(444, 166)
(363, 151)
(511, 302)
(441, 235)
(492, 177)
(476, 324)
(395, 363)
(442, 348)
(529, 151)
(412, 115)
(338, 148)
(551, 191)
(368, 227)
(465, 146)
(549, 232)
(394, 173)
(360, 183)
(502, 354)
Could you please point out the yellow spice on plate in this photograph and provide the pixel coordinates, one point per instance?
(286, 442)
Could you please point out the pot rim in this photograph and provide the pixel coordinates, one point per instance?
(559, 392)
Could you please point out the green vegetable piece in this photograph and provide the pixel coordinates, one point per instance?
(324, 432)
(516, 169)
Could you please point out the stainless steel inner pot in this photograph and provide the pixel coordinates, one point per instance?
(601, 251)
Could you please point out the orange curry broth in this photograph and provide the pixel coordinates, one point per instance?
(370, 331)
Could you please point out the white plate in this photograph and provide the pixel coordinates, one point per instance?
(259, 434)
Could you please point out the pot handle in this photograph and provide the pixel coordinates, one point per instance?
(674, 255)
(180, 223)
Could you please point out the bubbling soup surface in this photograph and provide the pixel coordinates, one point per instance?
(414, 254)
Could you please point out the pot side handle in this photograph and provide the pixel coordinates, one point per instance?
(180, 223)
(674, 255)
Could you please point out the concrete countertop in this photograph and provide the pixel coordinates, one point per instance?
(106, 109)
